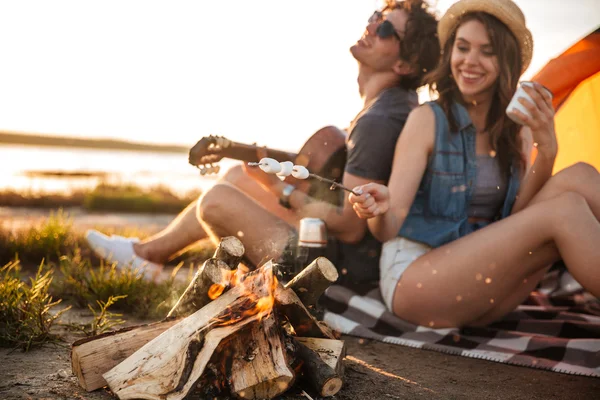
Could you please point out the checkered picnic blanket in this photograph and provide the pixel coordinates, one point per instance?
(540, 334)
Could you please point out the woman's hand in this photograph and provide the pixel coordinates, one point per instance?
(541, 121)
(373, 200)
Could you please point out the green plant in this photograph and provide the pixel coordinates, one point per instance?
(81, 283)
(25, 309)
(103, 320)
(46, 240)
(135, 199)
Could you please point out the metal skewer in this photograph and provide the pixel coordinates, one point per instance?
(333, 183)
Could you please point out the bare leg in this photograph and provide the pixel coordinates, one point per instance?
(580, 178)
(462, 282)
(225, 210)
(186, 230)
(183, 231)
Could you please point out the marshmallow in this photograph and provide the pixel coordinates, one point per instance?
(286, 168)
(300, 172)
(269, 165)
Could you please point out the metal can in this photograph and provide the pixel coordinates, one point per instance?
(312, 242)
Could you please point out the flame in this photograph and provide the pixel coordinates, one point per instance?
(215, 290)
(250, 303)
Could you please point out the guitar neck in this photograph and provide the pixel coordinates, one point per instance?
(245, 152)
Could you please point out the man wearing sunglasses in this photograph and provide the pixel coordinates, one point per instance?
(398, 46)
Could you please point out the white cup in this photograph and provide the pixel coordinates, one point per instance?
(515, 104)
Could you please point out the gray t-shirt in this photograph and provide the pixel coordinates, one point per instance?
(371, 144)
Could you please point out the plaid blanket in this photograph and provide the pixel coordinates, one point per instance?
(538, 334)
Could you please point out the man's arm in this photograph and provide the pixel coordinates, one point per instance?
(370, 154)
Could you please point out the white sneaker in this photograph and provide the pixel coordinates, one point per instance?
(119, 250)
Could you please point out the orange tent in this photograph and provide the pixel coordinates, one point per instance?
(574, 78)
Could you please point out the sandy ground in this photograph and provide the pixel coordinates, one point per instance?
(374, 370)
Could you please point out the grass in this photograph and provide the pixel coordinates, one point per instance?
(83, 283)
(105, 197)
(25, 309)
(56, 260)
(48, 240)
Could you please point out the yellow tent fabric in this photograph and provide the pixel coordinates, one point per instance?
(574, 78)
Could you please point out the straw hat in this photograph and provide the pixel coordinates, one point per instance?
(505, 10)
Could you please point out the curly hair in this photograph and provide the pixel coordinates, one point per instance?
(503, 132)
(420, 45)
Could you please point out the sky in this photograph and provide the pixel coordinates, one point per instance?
(170, 72)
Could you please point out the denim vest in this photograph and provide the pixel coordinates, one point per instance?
(438, 214)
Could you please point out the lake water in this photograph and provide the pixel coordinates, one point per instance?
(145, 169)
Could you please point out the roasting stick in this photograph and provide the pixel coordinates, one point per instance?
(286, 168)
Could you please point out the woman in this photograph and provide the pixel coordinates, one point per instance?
(469, 225)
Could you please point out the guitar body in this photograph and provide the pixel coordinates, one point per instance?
(324, 154)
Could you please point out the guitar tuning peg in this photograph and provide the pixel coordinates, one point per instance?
(217, 168)
(202, 170)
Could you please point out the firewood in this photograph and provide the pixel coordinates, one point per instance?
(168, 367)
(312, 281)
(331, 351)
(321, 376)
(230, 250)
(91, 357)
(302, 321)
(196, 295)
(260, 368)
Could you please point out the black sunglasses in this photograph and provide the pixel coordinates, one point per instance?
(385, 28)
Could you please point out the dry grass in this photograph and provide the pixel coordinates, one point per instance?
(58, 264)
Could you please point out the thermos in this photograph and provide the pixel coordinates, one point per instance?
(312, 242)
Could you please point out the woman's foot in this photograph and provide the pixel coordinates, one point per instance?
(120, 250)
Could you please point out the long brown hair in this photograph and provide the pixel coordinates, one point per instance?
(503, 132)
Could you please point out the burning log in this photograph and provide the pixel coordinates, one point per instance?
(260, 367)
(169, 366)
(91, 357)
(209, 282)
(299, 317)
(312, 281)
(215, 271)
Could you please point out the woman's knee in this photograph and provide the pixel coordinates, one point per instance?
(573, 178)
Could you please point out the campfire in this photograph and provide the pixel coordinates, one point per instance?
(233, 332)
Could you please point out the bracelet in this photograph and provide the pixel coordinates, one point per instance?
(284, 200)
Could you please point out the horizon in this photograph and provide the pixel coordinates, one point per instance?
(168, 74)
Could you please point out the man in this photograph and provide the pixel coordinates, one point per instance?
(398, 46)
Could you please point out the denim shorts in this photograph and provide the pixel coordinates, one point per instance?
(396, 255)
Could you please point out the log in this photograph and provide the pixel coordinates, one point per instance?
(331, 351)
(320, 375)
(169, 366)
(304, 324)
(196, 295)
(92, 357)
(260, 366)
(312, 281)
(230, 250)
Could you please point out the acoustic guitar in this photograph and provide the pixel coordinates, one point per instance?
(324, 154)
